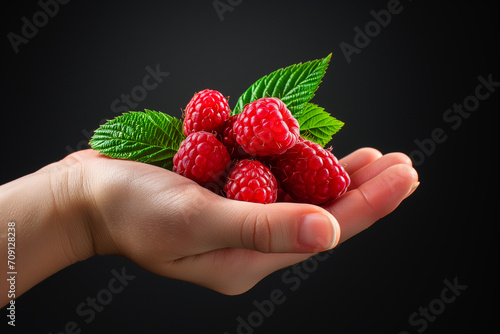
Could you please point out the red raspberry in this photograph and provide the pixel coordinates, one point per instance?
(283, 196)
(229, 140)
(266, 127)
(201, 157)
(207, 111)
(251, 181)
(310, 174)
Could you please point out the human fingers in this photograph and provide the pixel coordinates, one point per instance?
(268, 228)
(359, 208)
(359, 158)
(377, 166)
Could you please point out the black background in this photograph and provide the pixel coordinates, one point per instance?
(61, 84)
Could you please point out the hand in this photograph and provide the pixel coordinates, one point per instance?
(175, 228)
(89, 204)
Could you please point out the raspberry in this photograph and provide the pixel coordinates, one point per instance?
(201, 158)
(207, 111)
(251, 181)
(283, 196)
(266, 127)
(310, 174)
(229, 140)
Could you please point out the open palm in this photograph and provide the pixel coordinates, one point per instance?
(175, 228)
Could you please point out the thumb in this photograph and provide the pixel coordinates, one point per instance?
(271, 228)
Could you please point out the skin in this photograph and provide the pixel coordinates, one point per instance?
(88, 204)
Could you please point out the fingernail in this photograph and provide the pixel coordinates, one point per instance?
(316, 231)
(412, 189)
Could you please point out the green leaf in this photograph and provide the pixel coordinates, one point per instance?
(295, 85)
(151, 137)
(317, 125)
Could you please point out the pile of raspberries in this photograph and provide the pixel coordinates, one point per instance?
(257, 155)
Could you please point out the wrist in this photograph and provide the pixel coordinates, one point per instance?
(87, 191)
(50, 226)
(67, 208)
